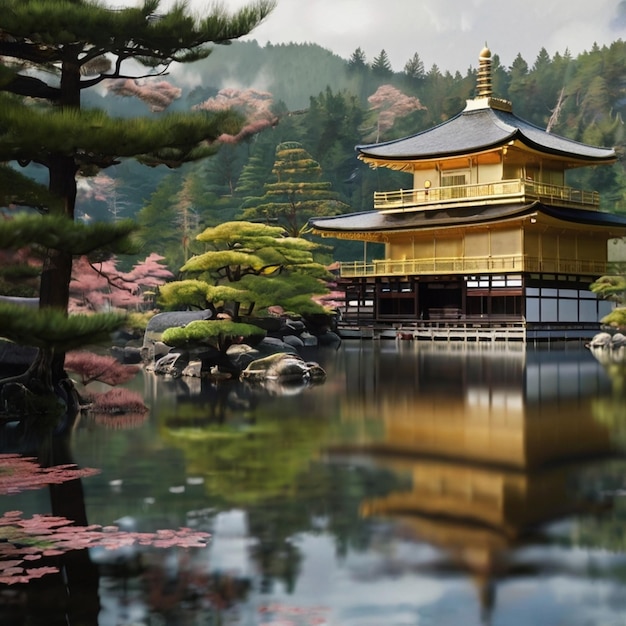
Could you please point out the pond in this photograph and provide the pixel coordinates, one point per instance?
(421, 484)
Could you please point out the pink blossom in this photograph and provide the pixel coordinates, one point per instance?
(254, 105)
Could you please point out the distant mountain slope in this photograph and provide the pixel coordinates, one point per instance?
(291, 72)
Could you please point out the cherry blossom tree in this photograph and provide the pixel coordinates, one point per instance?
(389, 103)
(97, 286)
(117, 407)
(255, 106)
(158, 95)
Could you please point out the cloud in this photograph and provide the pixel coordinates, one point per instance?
(449, 34)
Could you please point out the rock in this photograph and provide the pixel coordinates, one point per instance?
(293, 326)
(600, 340)
(127, 354)
(194, 369)
(618, 340)
(241, 355)
(122, 337)
(283, 367)
(293, 341)
(308, 339)
(151, 352)
(172, 364)
(329, 338)
(272, 345)
(317, 374)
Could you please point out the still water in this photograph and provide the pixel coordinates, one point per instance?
(420, 485)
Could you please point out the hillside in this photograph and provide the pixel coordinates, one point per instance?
(328, 105)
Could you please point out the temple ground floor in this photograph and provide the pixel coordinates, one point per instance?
(521, 306)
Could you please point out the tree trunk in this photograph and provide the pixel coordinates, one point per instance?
(56, 275)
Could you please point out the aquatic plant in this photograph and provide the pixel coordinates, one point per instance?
(26, 542)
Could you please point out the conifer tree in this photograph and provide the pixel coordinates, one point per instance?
(381, 66)
(296, 193)
(414, 68)
(357, 61)
(249, 265)
(53, 50)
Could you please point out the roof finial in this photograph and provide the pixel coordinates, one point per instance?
(483, 84)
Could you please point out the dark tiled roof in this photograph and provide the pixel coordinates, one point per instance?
(375, 222)
(480, 129)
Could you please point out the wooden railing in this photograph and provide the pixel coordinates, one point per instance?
(470, 265)
(495, 192)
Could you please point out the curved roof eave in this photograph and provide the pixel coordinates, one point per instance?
(376, 222)
(476, 131)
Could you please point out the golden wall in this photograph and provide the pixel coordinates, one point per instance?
(544, 248)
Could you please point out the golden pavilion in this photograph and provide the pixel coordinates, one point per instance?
(488, 237)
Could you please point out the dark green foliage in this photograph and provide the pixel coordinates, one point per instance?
(52, 329)
(75, 238)
(17, 189)
(381, 66)
(295, 193)
(50, 52)
(414, 68)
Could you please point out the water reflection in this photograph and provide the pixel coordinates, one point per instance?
(420, 484)
(492, 442)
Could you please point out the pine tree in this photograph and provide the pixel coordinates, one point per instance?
(252, 265)
(296, 194)
(414, 68)
(381, 66)
(54, 50)
(357, 61)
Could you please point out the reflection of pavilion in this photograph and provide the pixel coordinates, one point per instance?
(489, 462)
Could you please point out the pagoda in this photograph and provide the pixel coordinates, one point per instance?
(488, 237)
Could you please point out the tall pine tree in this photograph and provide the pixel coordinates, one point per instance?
(296, 193)
(53, 50)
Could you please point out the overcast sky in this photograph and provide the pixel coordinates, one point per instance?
(449, 33)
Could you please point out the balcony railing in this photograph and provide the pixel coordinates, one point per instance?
(497, 192)
(470, 265)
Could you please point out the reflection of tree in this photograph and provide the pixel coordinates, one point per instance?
(174, 581)
(325, 498)
(49, 553)
(268, 464)
(244, 458)
(610, 409)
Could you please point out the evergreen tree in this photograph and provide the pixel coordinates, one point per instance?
(518, 74)
(357, 62)
(296, 194)
(414, 68)
(330, 128)
(252, 265)
(255, 172)
(79, 45)
(381, 66)
(157, 221)
(499, 78)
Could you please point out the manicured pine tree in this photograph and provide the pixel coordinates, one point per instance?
(250, 266)
(296, 193)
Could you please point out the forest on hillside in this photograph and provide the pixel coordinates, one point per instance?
(306, 109)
